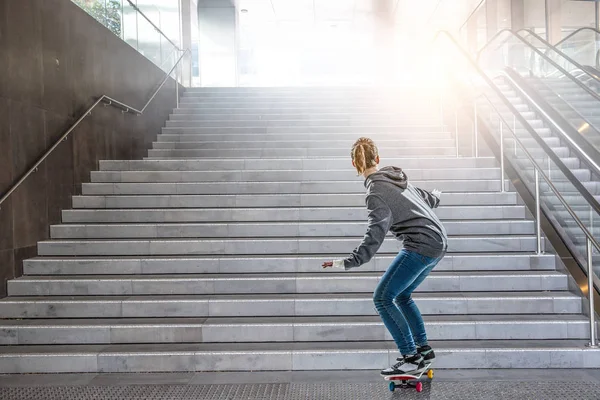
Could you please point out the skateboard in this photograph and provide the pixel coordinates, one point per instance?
(409, 381)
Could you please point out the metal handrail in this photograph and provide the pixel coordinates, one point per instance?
(590, 240)
(570, 35)
(566, 57)
(543, 175)
(103, 99)
(546, 58)
(136, 8)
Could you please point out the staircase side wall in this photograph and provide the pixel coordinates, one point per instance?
(54, 61)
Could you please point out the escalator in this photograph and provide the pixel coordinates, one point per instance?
(551, 111)
(544, 152)
(562, 111)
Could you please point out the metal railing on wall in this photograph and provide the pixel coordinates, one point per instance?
(107, 101)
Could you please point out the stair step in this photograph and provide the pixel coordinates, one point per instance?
(302, 106)
(224, 111)
(309, 123)
(262, 246)
(361, 130)
(270, 229)
(482, 199)
(289, 356)
(306, 214)
(253, 305)
(309, 137)
(238, 265)
(293, 152)
(285, 329)
(247, 188)
(298, 144)
(277, 102)
(200, 115)
(277, 283)
(280, 176)
(217, 164)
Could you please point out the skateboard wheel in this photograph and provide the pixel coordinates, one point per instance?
(419, 387)
(392, 386)
(430, 374)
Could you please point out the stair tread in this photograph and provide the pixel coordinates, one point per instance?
(285, 296)
(263, 239)
(267, 256)
(238, 209)
(302, 222)
(294, 275)
(187, 348)
(296, 320)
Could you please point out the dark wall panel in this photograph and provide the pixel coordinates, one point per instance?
(55, 61)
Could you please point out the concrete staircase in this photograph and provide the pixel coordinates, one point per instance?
(206, 255)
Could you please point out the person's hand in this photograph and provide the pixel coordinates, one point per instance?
(337, 264)
(437, 193)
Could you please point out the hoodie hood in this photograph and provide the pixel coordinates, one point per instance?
(393, 175)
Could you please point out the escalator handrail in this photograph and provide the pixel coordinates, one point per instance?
(570, 35)
(545, 57)
(590, 155)
(566, 57)
(549, 152)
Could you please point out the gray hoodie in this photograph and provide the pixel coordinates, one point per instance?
(407, 211)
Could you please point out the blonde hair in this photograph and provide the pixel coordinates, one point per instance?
(364, 154)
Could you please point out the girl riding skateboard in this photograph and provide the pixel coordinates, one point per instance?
(395, 205)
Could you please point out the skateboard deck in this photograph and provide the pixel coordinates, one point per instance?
(409, 381)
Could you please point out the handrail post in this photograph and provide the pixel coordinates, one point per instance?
(590, 273)
(538, 224)
(515, 131)
(456, 131)
(177, 84)
(502, 188)
(476, 129)
(441, 109)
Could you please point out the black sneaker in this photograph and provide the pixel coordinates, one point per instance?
(408, 365)
(426, 352)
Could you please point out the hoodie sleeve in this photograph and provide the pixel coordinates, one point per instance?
(430, 199)
(379, 223)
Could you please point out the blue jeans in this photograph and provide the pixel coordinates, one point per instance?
(394, 303)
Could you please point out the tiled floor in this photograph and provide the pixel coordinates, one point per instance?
(331, 385)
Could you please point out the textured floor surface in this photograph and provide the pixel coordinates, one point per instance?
(332, 385)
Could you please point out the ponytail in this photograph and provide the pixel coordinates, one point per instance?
(359, 159)
(364, 154)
